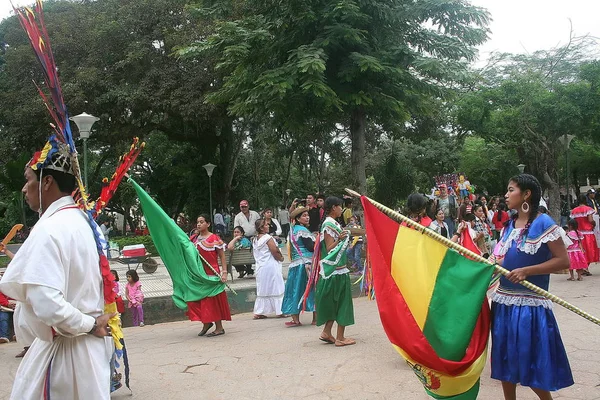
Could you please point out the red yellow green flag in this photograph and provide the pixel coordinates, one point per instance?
(432, 303)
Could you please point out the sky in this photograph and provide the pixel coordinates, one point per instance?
(518, 26)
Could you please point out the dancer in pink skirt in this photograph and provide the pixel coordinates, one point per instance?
(576, 255)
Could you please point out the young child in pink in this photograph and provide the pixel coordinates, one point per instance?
(576, 255)
(135, 297)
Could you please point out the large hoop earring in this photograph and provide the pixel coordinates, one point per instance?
(525, 210)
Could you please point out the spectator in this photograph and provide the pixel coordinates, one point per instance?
(346, 212)
(6, 313)
(274, 226)
(246, 218)
(313, 212)
(354, 250)
(465, 208)
(439, 225)
(105, 228)
(219, 221)
(447, 204)
(284, 220)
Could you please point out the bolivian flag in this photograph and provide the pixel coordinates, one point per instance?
(432, 304)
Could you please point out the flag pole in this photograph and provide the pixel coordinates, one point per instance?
(466, 252)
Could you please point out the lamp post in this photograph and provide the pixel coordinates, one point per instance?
(209, 170)
(271, 183)
(84, 123)
(565, 140)
(521, 168)
(287, 197)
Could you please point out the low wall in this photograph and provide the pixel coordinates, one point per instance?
(162, 309)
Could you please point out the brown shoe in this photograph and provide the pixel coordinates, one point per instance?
(22, 354)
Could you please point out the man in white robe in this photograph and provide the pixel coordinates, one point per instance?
(56, 277)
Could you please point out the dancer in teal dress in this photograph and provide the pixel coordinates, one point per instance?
(526, 345)
(302, 243)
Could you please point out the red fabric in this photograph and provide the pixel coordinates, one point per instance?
(210, 309)
(499, 223)
(467, 242)
(120, 304)
(396, 317)
(214, 308)
(4, 300)
(583, 224)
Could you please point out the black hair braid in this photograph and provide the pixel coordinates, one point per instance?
(330, 202)
(529, 182)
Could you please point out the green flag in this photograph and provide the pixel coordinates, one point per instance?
(190, 281)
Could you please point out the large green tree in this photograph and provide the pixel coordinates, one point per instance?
(352, 62)
(526, 103)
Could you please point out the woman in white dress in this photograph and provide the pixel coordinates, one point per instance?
(269, 277)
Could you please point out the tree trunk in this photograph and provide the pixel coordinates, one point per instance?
(287, 179)
(230, 152)
(553, 197)
(358, 122)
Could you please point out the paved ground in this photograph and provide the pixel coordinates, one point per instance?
(264, 360)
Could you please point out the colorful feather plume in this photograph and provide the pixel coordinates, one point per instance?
(109, 188)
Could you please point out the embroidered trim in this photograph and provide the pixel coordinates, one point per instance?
(587, 233)
(583, 214)
(520, 300)
(216, 245)
(333, 233)
(529, 246)
(299, 261)
(304, 234)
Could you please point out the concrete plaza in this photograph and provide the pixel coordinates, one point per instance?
(264, 360)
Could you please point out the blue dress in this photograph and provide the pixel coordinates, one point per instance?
(297, 275)
(526, 343)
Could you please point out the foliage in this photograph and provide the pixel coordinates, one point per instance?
(488, 165)
(354, 63)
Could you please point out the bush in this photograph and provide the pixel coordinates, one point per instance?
(131, 240)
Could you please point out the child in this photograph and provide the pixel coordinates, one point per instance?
(576, 256)
(135, 297)
(117, 291)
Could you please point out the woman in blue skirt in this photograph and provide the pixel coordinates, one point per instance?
(526, 344)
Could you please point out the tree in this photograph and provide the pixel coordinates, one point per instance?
(356, 63)
(525, 103)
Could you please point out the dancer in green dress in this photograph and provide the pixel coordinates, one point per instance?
(333, 295)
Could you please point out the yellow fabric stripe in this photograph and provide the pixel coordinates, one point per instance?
(415, 264)
(115, 324)
(447, 385)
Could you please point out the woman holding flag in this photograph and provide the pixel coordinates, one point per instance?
(211, 311)
(526, 343)
(333, 295)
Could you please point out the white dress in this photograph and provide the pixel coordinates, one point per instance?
(269, 278)
(56, 278)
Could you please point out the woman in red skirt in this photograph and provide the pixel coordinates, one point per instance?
(210, 310)
(584, 216)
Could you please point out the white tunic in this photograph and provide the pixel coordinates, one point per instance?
(56, 277)
(269, 279)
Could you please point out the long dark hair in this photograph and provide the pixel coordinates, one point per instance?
(529, 182)
(501, 209)
(573, 225)
(415, 204)
(330, 202)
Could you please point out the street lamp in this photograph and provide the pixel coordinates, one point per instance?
(287, 197)
(565, 140)
(84, 123)
(209, 170)
(271, 183)
(521, 168)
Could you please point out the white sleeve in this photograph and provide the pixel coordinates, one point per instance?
(50, 306)
(278, 230)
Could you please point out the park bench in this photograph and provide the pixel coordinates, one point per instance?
(237, 257)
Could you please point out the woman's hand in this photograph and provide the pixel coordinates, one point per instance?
(343, 235)
(223, 277)
(517, 275)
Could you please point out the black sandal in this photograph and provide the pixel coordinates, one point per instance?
(215, 333)
(203, 331)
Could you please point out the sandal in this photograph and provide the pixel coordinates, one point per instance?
(328, 340)
(345, 342)
(203, 331)
(291, 324)
(215, 333)
(259, 317)
(570, 279)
